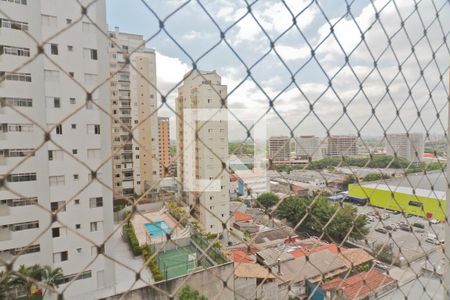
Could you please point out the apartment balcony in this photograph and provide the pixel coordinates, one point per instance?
(4, 210)
(5, 234)
(2, 160)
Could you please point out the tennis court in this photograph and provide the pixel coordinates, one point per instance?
(179, 261)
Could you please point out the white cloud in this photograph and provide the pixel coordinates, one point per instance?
(292, 53)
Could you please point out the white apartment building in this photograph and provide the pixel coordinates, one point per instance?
(410, 147)
(308, 146)
(52, 179)
(342, 145)
(133, 104)
(279, 149)
(204, 183)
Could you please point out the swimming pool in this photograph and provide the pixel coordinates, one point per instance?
(157, 229)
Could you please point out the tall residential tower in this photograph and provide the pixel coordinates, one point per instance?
(202, 145)
(409, 146)
(164, 146)
(49, 213)
(133, 104)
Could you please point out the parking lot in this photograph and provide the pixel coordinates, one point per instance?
(413, 244)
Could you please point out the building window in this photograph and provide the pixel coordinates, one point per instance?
(17, 51)
(23, 2)
(74, 126)
(54, 49)
(49, 21)
(77, 226)
(56, 102)
(90, 78)
(78, 276)
(19, 201)
(22, 102)
(55, 232)
(59, 129)
(69, 48)
(21, 177)
(74, 151)
(57, 180)
(58, 205)
(55, 155)
(24, 226)
(96, 226)
(72, 100)
(60, 256)
(93, 154)
(76, 177)
(16, 128)
(95, 202)
(93, 128)
(51, 75)
(71, 74)
(76, 201)
(416, 204)
(68, 21)
(12, 76)
(90, 54)
(5, 23)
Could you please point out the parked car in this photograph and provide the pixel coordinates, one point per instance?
(433, 241)
(406, 227)
(380, 230)
(434, 221)
(419, 225)
(381, 266)
(390, 228)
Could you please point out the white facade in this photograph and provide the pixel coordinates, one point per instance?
(52, 177)
(308, 146)
(133, 103)
(279, 149)
(200, 168)
(404, 146)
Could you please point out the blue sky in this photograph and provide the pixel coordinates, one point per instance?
(195, 33)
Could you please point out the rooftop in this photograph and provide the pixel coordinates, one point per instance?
(242, 217)
(360, 285)
(407, 190)
(252, 270)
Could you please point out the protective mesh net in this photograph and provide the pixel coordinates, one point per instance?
(351, 95)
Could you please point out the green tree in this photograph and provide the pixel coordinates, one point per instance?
(375, 176)
(27, 278)
(187, 293)
(315, 215)
(267, 199)
(51, 277)
(6, 284)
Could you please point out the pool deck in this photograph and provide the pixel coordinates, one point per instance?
(139, 220)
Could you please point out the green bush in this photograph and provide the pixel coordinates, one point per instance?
(132, 239)
(151, 263)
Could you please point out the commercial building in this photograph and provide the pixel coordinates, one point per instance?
(409, 146)
(252, 183)
(308, 146)
(279, 149)
(202, 142)
(133, 107)
(45, 179)
(342, 145)
(164, 146)
(420, 202)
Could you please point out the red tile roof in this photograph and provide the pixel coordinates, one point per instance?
(242, 217)
(297, 188)
(360, 285)
(241, 256)
(302, 252)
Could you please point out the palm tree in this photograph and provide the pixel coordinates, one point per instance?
(51, 277)
(6, 284)
(27, 277)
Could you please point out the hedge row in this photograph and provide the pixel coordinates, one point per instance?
(132, 239)
(151, 263)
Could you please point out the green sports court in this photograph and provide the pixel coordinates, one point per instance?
(181, 261)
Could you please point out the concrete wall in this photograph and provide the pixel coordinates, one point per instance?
(120, 215)
(247, 288)
(209, 282)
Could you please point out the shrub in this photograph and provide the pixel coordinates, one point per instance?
(132, 239)
(151, 263)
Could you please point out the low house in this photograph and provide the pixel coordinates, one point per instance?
(365, 285)
(253, 281)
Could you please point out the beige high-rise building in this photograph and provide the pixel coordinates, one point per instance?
(410, 147)
(342, 145)
(308, 146)
(202, 146)
(133, 104)
(279, 148)
(164, 146)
